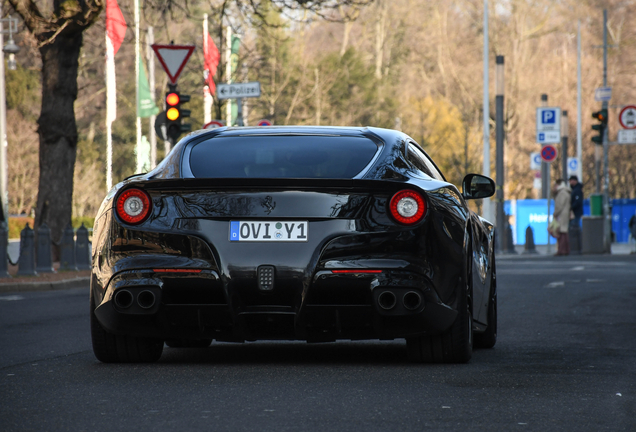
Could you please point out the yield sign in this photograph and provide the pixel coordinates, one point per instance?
(173, 58)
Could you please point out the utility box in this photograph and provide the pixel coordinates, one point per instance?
(596, 205)
(592, 235)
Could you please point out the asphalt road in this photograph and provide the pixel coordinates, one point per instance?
(565, 360)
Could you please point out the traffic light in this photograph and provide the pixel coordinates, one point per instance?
(185, 127)
(175, 114)
(601, 116)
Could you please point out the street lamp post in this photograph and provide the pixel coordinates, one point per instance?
(11, 48)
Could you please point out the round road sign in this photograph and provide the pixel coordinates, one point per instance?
(627, 117)
(548, 153)
(264, 123)
(213, 124)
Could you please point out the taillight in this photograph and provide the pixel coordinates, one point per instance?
(407, 207)
(133, 206)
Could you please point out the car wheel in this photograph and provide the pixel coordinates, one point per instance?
(110, 348)
(189, 343)
(488, 339)
(455, 345)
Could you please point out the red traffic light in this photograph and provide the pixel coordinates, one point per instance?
(172, 99)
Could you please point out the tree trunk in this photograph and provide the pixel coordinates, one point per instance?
(58, 133)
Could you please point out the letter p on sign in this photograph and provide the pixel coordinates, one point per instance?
(548, 116)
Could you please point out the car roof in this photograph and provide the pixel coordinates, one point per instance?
(293, 130)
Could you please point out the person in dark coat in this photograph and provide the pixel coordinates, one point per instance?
(632, 229)
(576, 204)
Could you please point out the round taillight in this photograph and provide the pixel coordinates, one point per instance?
(133, 206)
(407, 207)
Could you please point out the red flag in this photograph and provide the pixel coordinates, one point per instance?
(115, 24)
(211, 57)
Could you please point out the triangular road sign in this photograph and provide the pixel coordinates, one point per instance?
(173, 58)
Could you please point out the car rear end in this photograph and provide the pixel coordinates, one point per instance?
(265, 241)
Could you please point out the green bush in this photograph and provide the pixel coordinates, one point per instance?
(86, 220)
(17, 224)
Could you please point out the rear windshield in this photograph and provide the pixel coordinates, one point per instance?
(333, 157)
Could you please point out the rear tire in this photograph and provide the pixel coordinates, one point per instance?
(488, 339)
(455, 345)
(110, 348)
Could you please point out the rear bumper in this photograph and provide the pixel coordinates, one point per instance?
(394, 304)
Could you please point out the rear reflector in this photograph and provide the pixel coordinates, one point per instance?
(176, 270)
(356, 271)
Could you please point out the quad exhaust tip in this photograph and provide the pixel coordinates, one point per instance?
(412, 300)
(387, 300)
(123, 299)
(146, 299)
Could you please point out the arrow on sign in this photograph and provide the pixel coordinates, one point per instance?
(173, 58)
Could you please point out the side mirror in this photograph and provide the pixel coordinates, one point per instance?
(477, 186)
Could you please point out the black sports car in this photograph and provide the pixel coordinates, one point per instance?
(295, 233)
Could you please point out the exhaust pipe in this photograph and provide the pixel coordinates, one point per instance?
(123, 299)
(146, 299)
(412, 300)
(386, 300)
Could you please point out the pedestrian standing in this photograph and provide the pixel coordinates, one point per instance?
(576, 204)
(632, 230)
(562, 215)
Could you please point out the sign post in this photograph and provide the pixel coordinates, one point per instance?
(548, 155)
(627, 119)
(238, 91)
(173, 59)
(548, 125)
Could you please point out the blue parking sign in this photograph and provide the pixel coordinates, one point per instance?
(549, 116)
(548, 125)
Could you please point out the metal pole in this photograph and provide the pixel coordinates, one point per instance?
(4, 177)
(564, 144)
(138, 122)
(545, 167)
(487, 212)
(499, 127)
(109, 122)
(607, 232)
(207, 97)
(228, 74)
(239, 111)
(548, 200)
(579, 139)
(150, 39)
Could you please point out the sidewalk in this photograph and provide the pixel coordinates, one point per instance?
(617, 249)
(58, 280)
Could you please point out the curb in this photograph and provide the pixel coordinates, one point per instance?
(80, 282)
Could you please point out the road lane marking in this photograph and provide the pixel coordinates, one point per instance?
(11, 298)
(555, 284)
(579, 268)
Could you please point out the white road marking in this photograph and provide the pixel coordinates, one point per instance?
(11, 298)
(579, 268)
(555, 284)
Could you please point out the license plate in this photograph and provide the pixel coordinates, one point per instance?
(268, 231)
